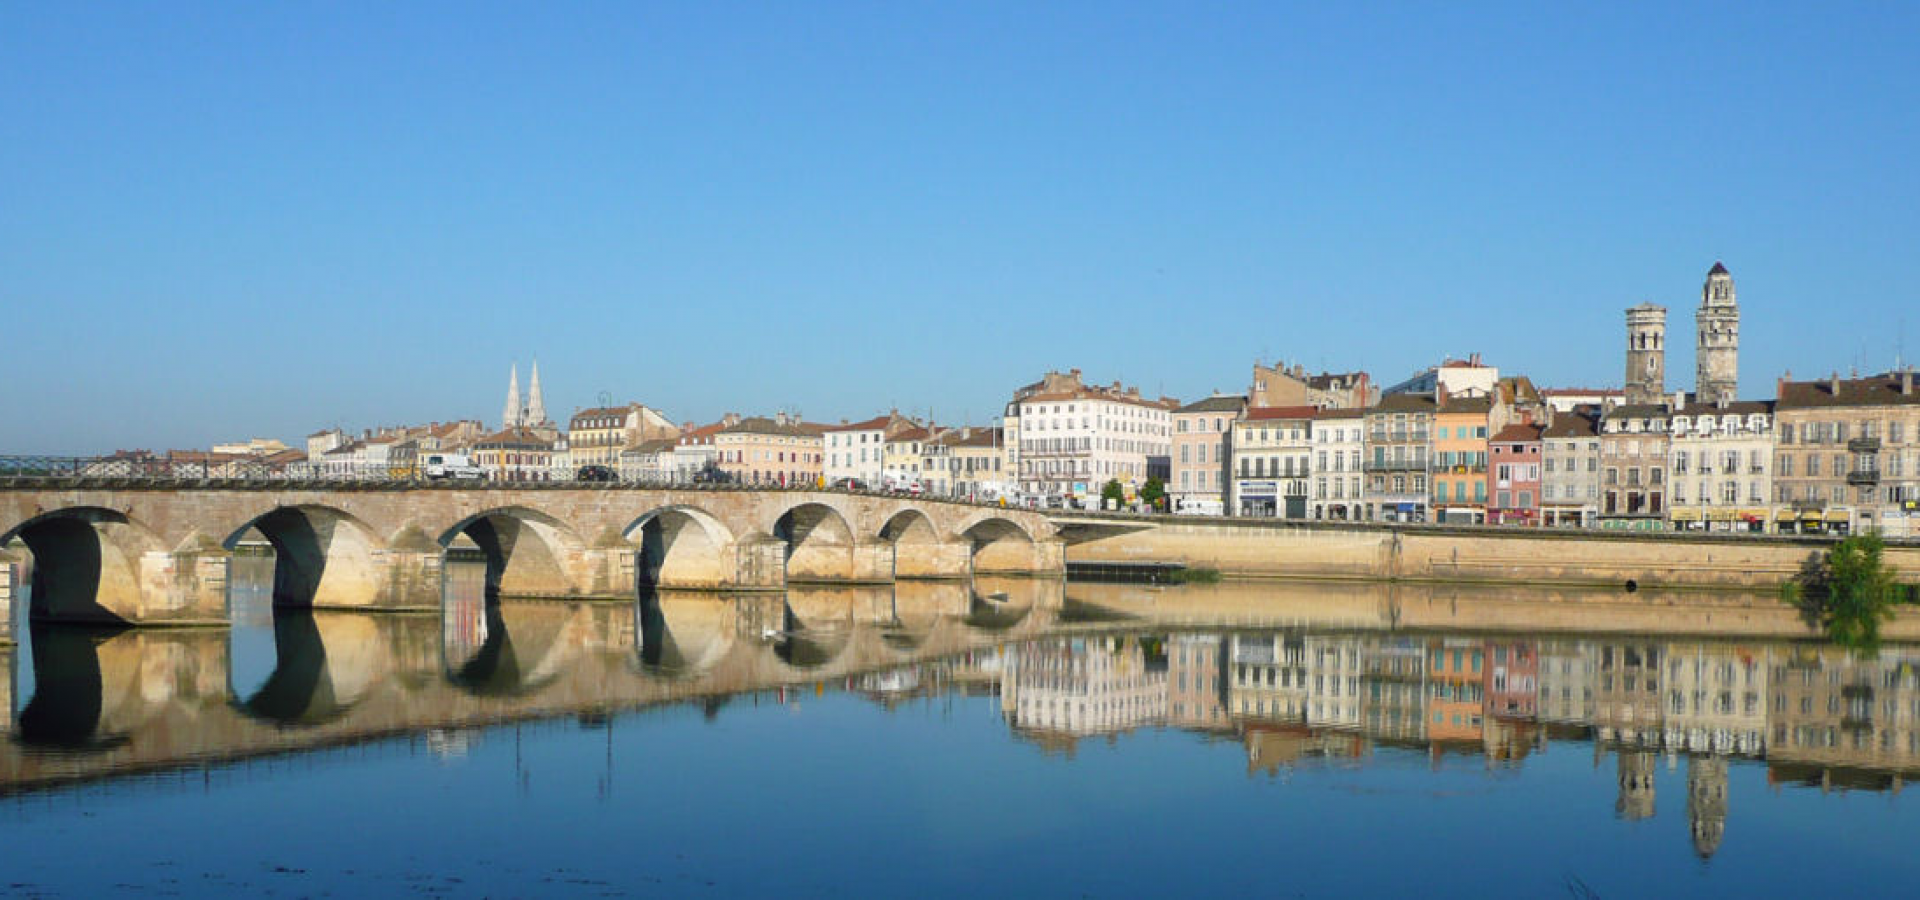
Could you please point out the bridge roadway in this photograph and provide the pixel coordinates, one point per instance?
(129, 551)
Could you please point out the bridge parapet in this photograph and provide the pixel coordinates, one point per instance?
(120, 551)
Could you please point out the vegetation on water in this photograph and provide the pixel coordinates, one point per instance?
(1850, 591)
(1195, 575)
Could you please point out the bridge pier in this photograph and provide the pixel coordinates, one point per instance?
(409, 580)
(759, 564)
(186, 587)
(1006, 557)
(932, 559)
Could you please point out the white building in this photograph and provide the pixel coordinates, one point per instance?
(1272, 454)
(1075, 438)
(1339, 455)
(859, 449)
(1720, 464)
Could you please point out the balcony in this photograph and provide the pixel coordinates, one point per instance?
(1864, 476)
(1864, 445)
(1397, 465)
(1460, 469)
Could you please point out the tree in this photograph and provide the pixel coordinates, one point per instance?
(1154, 492)
(1113, 491)
(1853, 592)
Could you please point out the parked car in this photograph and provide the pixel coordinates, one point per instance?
(594, 473)
(453, 465)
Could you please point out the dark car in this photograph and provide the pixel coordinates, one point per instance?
(594, 473)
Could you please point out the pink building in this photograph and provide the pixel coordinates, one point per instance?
(1513, 475)
(1201, 435)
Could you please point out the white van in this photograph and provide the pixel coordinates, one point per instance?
(1201, 508)
(453, 465)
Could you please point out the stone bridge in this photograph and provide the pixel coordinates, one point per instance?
(133, 553)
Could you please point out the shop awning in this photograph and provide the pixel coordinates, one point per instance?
(1719, 514)
(1785, 515)
(1837, 515)
(1685, 514)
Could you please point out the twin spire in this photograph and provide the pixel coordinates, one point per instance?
(534, 412)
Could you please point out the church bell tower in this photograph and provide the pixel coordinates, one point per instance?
(1718, 354)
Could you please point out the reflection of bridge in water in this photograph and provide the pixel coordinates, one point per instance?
(107, 701)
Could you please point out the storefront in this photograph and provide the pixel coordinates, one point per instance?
(1259, 498)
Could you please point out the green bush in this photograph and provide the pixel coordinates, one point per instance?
(1853, 591)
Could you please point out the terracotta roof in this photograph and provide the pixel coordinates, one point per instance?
(661, 445)
(764, 425)
(1261, 413)
(1572, 425)
(1517, 434)
(876, 423)
(1214, 404)
(1467, 405)
(1876, 390)
(978, 437)
(1392, 403)
(916, 433)
(1582, 392)
(517, 436)
(1342, 412)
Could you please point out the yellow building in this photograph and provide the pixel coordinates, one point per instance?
(774, 451)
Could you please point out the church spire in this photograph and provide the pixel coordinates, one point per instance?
(510, 417)
(536, 404)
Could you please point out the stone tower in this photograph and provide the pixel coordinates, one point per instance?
(1646, 353)
(1706, 803)
(510, 416)
(1718, 354)
(1636, 785)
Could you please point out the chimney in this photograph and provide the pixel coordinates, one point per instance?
(1780, 387)
(1906, 383)
(1833, 384)
(780, 418)
(1679, 400)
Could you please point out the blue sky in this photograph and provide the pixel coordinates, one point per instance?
(223, 221)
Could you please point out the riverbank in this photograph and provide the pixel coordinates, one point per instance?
(1246, 549)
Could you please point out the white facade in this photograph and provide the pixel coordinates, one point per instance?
(1339, 454)
(1272, 457)
(1072, 445)
(1720, 464)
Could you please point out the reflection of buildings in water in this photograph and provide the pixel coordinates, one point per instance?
(1830, 708)
(451, 743)
(1565, 682)
(1194, 689)
(1271, 747)
(1716, 698)
(1627, 693)
(1061, 689)
(1635, 800)
(1513, 675)
(1456, 688)
(1706, 802)
(1393, 688)
(1333, 681)
(464, 610)
(1268, 677)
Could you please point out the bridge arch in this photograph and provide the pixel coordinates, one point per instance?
(87, 563)
(1001, 544)
(322, 556)
(820, 542)
(681, 546)
(527, 551)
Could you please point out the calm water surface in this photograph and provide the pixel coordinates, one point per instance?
(946, 740)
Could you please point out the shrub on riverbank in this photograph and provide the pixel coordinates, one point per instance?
(1851, 591)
